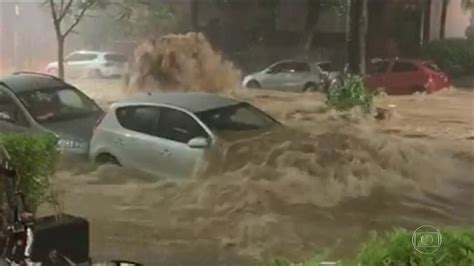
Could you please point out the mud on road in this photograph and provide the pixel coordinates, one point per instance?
(350, 175)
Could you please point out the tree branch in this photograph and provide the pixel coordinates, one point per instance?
(56, 22)
(53, 11)
(61, 7)
(65, 10)
(78, 18)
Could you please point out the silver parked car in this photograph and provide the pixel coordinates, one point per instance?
(34, 102)
(92, 64)
(290, 75)
(169, 134)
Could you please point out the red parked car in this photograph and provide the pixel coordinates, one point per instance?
(403, 76)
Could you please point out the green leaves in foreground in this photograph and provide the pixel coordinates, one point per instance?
(349, 94)
(395, 248)
(34, 157)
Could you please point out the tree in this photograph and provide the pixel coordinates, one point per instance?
(64, 11)
(444, 14)
(314, 11)
(140, 18)
(195, 15)
(357, 36)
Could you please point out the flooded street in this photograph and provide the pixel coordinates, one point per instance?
(294, 195)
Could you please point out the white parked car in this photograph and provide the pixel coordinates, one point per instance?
(92, 64)
(289, 75)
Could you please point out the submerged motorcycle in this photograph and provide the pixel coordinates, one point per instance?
(44, 241)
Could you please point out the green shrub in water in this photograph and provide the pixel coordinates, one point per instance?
(396, 249)
(34, 157)
(350, 93)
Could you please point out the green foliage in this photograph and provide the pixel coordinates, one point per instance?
(396, 248)
(34, 156)
(349, 94)
(454, 56)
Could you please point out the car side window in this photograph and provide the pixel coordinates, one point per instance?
(378, 67)
(277, 68)
(301, 67)
(138, 118)
(10, 111)
(404, 67)
(289, 67)
(178, 126)
(81, 57)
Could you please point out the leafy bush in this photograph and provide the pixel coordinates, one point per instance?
(395, 248)
(454, 56)
(349, 94)
(34, 156)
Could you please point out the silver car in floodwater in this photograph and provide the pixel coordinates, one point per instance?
(289, 75)
(168, 134)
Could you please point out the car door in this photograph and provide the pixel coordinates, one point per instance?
(78, 64)
(297, 74)
(175, 129)
(137, 146)
(12, 117)
(274, 76)
(377, 77)
(403, 77)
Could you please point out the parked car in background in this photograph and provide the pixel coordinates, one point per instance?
(169, 134)
(92, 64)
(404, 76)
(290, 75)
(34, 102)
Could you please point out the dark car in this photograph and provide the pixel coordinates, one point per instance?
(34, 102)
(405, 76)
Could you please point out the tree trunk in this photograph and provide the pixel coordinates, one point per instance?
(312, 18)
(61, 57)
(444, 13)
(353, 56)
(426, 21)
(195, 15)
(363, 21)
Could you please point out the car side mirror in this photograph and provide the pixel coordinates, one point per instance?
(198, 143)
(6, 117)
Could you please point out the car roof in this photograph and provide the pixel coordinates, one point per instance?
(190, 101)
(18, 83)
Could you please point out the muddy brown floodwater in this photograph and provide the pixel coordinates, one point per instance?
(296, 195)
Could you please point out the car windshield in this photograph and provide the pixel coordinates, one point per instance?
(240, 117)
(57, 104)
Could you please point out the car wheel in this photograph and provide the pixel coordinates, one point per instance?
(310, 87)
(106, 159)
(253, 84)
(94, 73)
